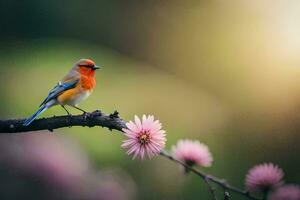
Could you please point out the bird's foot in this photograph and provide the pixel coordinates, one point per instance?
(87, 115)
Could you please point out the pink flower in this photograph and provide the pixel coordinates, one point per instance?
(144, 137)
(264, 177)
(192, 152)
(287, 192)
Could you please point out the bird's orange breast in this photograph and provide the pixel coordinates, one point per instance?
(87, 82)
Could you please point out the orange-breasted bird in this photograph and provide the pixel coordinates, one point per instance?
(76, 86)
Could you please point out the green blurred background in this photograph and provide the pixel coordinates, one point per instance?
(223, 72)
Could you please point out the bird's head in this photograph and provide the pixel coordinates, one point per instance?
(86, 67)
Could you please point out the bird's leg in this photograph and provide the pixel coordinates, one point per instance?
(65, 109)
(78, 109)
(86, 114)
(69, 115)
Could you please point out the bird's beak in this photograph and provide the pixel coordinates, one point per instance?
(96, 67)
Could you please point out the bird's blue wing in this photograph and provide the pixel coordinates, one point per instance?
(60, 88)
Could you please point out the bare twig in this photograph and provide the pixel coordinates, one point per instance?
(221, 182)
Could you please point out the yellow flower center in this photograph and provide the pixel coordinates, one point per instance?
(144, 137)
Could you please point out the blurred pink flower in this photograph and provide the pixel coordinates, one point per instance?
(192, 152)
(59, 164)
(54, 159)
(144, 137)
(263, 177)
(287, 192)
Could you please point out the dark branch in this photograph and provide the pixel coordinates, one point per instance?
(96, 118)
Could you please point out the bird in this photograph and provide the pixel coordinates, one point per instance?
(75, 87)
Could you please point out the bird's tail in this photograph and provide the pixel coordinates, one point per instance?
(35, 115)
